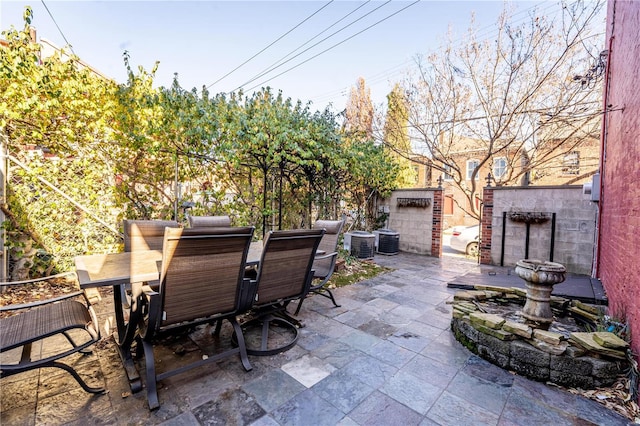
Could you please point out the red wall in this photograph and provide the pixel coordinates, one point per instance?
(618, 257)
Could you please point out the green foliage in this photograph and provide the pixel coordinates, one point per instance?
(396, 138)
(136, 151)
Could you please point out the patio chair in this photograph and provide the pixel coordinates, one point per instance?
(38, 327)
(202, 281)
(284, 274)
(209, 221)
(324, 265)
(143, 235)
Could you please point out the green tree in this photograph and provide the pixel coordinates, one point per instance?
(396, 137)
(54, 107)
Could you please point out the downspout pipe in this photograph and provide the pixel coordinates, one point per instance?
(603, 145)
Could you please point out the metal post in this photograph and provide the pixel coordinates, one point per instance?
(553, 236)
(504, 227)
(4, 179)
(526, 242)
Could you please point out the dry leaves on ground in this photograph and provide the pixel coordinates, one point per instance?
(616, 397)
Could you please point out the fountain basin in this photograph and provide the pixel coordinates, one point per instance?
(541, 272)
(490, 323)
(540, 278)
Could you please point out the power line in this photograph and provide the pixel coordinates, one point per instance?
(335, 45)
(488, 30)
(58, 27)
(271, 67)
(271, 44)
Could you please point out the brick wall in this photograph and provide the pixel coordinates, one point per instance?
(486, 226)
(437, 221)
(619, 246)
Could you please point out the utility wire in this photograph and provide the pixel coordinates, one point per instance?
(274, 66)
(335, 45)
(271, 44)
(489, 30)
(57, 26)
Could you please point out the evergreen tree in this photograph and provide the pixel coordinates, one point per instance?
(396, 137)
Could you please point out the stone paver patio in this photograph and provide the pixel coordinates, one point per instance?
(386, 357)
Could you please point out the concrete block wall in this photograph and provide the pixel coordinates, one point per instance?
(420, 231)
(575, 226)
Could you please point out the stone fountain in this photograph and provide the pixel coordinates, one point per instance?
(540, 278)
(516, 330)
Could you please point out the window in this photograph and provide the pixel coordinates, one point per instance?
(416, 171)
(447, 172)
(571, 163)
(499, 168)
(471, 166)
(448, 204)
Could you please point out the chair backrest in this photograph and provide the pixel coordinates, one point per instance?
(202, 272)
(285, 265)
(328, 244)
(145, 234)
(209, 221)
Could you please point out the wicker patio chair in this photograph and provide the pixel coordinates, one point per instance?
(36, 328)
(325, 264)
(209, 221)
(284, 274)
(202, 281)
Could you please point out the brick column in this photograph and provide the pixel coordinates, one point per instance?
(485, 226)
(436, 226)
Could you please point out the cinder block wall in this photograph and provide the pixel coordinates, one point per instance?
(574, 229)
(420, 231)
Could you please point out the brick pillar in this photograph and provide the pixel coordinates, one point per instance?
(438, 220)
(485, 226)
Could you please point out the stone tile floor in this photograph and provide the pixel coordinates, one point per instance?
(385, 357)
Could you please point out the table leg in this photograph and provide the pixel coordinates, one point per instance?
(126, 334)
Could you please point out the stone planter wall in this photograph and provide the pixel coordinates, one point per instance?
(536, 354)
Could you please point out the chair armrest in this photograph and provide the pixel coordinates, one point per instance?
(247, 295)
(325, 256)
(154, 303)
(41, 302)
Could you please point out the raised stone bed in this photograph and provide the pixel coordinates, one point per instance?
(564, 355)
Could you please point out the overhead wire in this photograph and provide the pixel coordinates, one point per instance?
(277, 64)
(488, 30)
(335, 45)
(58, 26)
(270, 44)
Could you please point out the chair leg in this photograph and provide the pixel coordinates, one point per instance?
(241, 344)
(76, 376)
(152, 386)
(330, 296)
(216, 332)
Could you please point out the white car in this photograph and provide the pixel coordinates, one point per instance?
(465, 239)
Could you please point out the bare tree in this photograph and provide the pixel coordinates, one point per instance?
(528, 95)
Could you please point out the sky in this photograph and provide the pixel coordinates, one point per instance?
(318, 50)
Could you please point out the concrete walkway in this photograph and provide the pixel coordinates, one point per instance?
(386, 357)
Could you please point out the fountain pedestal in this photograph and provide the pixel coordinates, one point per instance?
(540, 278)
